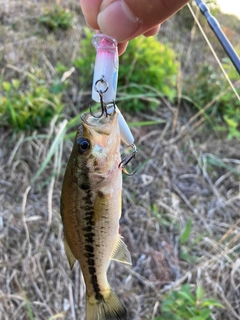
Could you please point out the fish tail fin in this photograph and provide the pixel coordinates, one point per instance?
(109, 307)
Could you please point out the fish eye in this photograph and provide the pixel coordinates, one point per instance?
(83, 145)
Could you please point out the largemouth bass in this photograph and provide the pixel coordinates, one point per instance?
(91, 209)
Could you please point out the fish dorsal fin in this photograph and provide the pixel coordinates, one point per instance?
(70, 256)
(120, 252)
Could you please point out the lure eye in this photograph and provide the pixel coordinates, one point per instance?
(83, 145)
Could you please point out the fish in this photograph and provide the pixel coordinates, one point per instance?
(91, 206)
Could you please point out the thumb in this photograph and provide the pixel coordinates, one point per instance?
(126, 19)
(117, 20)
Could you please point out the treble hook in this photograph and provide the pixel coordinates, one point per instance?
(125, 161)
(103, 104)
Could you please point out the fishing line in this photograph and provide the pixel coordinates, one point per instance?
(213, 51)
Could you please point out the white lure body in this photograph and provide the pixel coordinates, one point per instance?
(105, 80)
(106, 68)
(125, 132)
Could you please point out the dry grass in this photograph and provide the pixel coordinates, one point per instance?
(185, 172)
(176, 182)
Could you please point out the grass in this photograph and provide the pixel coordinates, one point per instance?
(183, 201)
(178, 178)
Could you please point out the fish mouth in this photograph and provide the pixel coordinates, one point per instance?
(102, 125)
(103, 131)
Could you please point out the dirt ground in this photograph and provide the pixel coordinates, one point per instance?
(185, 171)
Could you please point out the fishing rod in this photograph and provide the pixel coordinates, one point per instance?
(215, 26)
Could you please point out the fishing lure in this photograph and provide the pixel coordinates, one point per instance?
(104, 88)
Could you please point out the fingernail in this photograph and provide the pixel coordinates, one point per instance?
(117, 20)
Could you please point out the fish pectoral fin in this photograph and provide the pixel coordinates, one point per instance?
(120, 252)
(70, 256)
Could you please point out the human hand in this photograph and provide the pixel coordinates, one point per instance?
(127, 19)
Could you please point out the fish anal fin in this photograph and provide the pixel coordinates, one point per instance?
(70, 256)
(120, 252)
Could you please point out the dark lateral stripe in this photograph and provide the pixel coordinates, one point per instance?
(89, 237)
(89, 221)
(89, 248)
(88, 232)
(88, 228)
(88, 255)
(88, 208)
(88, 213)
(91, 262)
(84, 186)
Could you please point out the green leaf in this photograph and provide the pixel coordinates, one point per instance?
(200, 292)
(212, 303)
(52, 150)
(231, 122)
(6, 86)
(28, 305)
(184, 255)
(16, 83)
(186, 232)
(188, 296)
(13, 116)
(145, 123)
(205, 313)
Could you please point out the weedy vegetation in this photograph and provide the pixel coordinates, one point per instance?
(225, 107)
(180, 210)
(56, 18)
(30, 108)
(183, 304)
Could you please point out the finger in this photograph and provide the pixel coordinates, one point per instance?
(126, 19)
(117, 20)
(152, 31)
(122, 47)
(90, 9)
(154, 12)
